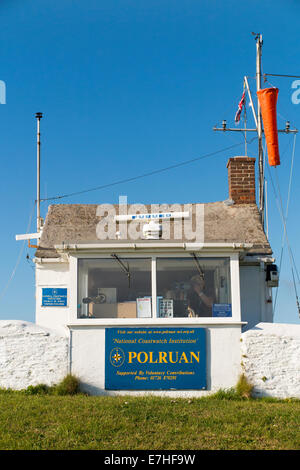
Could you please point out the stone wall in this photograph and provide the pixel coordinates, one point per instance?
(271, 359)
(31, 355)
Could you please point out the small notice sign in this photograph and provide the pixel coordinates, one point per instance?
(54, 297)
(222, 310)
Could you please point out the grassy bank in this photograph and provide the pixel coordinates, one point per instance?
(149, 423)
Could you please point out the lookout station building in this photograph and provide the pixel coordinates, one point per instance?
(154, 298)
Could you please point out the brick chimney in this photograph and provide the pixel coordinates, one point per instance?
(241, 178)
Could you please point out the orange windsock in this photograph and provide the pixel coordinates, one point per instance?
(268, 100)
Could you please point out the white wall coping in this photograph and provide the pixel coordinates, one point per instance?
(20, 327)
(275, 329)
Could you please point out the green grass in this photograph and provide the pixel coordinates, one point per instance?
(225, 421)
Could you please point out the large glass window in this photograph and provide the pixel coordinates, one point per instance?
(193, 287)
(115, 287)
(118, 287)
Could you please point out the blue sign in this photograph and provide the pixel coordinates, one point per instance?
(221, 310)
(54, 297)
(155, 358)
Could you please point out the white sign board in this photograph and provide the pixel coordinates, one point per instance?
(156, 216)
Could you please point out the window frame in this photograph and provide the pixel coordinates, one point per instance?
(111, 263)
(234, 286)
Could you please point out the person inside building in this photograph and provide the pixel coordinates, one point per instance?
(199, 303)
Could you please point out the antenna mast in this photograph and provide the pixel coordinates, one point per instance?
(258, 123)
(38, 196)
(259, 43)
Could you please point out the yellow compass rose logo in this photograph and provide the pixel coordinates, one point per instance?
(117, 357)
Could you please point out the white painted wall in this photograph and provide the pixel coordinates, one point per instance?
(31, 355)
(271, 358)
(52, 275)
(256, 305)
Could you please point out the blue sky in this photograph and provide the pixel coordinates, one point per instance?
(127, 87)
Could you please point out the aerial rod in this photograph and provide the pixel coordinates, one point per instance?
(38, 196)
(279, 75)
(224, 128)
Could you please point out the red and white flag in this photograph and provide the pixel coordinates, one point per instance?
(240, 108)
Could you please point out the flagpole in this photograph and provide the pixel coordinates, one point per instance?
(251, 101)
